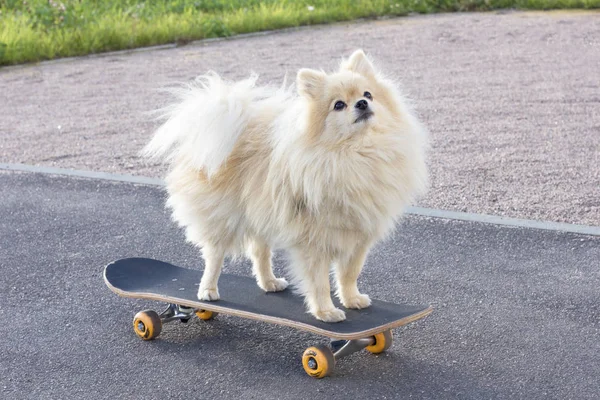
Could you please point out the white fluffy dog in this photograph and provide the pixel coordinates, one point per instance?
(323, 174)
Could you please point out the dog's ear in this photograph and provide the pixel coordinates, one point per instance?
(359, 63)
(310, 83)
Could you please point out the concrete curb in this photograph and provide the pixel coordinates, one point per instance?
(426, 212)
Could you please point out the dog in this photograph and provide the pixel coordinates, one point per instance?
(322, 171)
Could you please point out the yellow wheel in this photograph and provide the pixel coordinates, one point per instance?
(318, 361)
(147, 324)
(206, 315)
(383, 341)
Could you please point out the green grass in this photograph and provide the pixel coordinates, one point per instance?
(35, 30)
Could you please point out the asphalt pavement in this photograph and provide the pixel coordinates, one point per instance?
(516, 310)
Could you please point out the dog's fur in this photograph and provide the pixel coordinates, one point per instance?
(255, 168)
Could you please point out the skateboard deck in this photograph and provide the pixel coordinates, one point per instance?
(144, 278)
(241, 296)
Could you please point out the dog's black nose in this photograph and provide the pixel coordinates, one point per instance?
(362, 105)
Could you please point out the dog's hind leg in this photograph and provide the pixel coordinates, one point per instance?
(213, 263)
(346, 273)
(262, 268)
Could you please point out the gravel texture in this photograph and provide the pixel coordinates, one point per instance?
(512, 101)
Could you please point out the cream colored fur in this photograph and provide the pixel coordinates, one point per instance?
(259, 168)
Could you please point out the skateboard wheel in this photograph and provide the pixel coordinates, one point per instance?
(383, 341)
(318, 361)
(147, 324)
(206, 315)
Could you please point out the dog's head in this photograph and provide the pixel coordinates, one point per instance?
(347, 103)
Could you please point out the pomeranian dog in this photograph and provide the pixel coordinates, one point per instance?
(323, 173)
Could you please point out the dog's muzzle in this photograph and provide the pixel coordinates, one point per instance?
(364, 115)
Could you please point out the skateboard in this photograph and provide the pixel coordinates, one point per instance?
(143, 278)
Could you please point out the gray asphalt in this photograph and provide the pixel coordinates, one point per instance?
(517, 311)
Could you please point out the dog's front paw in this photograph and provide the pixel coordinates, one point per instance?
(208, 294)
(274, 285)
(357, 302)
(330, 315)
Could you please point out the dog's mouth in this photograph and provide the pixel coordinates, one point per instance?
(364, 116)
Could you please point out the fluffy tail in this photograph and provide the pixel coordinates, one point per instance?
(203, 127)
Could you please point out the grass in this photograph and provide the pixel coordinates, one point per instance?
(35, 30)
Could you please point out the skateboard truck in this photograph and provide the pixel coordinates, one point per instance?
(176, 312)
(147, 324)
(319, 361)
(343, 348)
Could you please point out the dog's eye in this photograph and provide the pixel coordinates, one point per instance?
(368, 95)
(340, 105)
